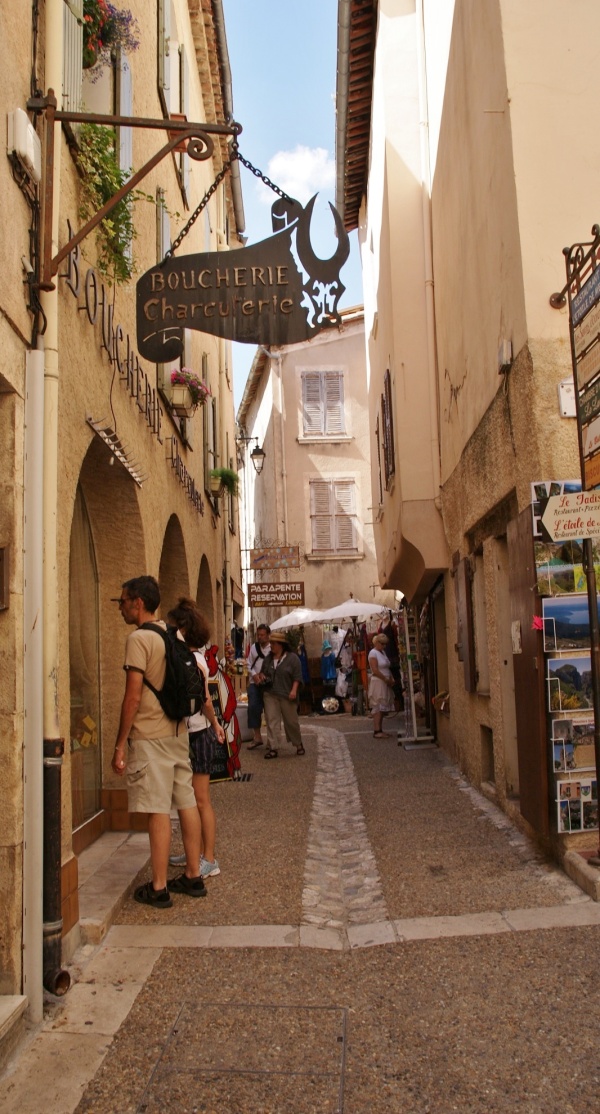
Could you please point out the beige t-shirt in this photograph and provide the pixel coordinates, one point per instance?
(145, 652)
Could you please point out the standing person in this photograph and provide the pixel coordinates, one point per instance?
(282, 675)
(393, 655)
(257, 654)
(152, 750)
(381, 686)
(204, 733)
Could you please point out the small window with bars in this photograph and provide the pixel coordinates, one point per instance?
(333, 516)
(323, 404)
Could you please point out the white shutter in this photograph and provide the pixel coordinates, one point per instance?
(312, 404)
(321, 516)
(124, 108)
(164, 36)
(345, 520)
(72, 56)
(334, 402)
(184, 106)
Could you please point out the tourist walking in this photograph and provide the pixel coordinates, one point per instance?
(204, 733)
(152, 750)
(256, 656)
(381, 686)
(281, 677)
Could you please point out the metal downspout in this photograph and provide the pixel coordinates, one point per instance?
(33, 795)
(428, 253)
(55, 979)
(236, 184)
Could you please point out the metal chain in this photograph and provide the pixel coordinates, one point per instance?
(235, 154)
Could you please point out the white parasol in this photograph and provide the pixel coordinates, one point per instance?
(296, 618)
(353, 609)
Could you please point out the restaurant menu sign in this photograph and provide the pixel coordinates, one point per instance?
(274, 292)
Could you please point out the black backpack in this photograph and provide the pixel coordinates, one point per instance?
(184, 689)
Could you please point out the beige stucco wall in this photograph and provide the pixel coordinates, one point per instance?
(408, 533)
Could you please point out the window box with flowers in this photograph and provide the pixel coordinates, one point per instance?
(187, 392)
(106, 29)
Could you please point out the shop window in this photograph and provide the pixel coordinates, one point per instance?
(323, 404)
(333, 516)
(387, 422)
(85, 742)
(465, 643)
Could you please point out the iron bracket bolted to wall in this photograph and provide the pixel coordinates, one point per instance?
(200, 146)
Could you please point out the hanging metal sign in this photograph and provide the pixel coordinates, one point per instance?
(275, 557)
(274, 292)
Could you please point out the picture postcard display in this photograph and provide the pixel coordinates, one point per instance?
(562, 583)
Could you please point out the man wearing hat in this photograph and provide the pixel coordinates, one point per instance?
(282, 677)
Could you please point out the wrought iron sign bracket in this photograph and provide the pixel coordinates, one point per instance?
(200, 146)
(574, 257)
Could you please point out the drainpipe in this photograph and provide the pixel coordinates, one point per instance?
(428, 253)
(33, 795)
(55, 979)
(236, 184)
(341, 101)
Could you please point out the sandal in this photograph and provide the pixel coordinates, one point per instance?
(270, 753)
(300, 749)
(254, 746)
(147, 895)
(381, 735)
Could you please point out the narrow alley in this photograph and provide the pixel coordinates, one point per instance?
(381, 938)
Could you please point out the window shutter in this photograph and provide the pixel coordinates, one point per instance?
(345, 525)
(124, 108)
(321, 516)
(184, 106)
(334, 402)
(388, 428)
(312, 404)
(164, 36)
(72, 56)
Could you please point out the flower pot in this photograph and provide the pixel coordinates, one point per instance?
(214, 485)
(181, 401)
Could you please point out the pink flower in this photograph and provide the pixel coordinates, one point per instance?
(538, 623)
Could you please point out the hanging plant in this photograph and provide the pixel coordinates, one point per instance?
(101, 178)
(225, 479)
(106, 29)
(198, 389)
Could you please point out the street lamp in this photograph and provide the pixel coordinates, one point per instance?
(257, 456)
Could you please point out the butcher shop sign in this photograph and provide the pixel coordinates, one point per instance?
(274, 292)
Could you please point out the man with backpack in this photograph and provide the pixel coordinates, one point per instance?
(152, 744)
(256, 655)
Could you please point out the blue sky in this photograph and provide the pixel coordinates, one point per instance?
(283, 67)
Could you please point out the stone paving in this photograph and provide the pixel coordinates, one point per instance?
(419, 960)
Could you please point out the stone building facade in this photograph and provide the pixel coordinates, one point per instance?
(102, 478)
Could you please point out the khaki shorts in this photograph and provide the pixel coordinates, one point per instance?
(159, 775)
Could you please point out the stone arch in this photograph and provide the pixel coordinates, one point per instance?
(204, 594)
(110, 501)
(173, 574)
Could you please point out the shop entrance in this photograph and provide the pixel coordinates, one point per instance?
(84, 658)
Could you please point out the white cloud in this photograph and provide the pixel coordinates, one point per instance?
(300, 173)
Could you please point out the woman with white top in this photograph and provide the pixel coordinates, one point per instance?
(381, 686)
(204, 732)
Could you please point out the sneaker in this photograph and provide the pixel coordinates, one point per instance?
(193, 887)
(177, 860)
(147, 895)
(209, 870)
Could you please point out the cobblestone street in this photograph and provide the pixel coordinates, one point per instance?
(381, 938)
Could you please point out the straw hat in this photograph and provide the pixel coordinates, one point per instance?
(278, 636)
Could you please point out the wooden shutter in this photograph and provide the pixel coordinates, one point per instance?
(334, 402)
(124, 108)
(321, 516)
(345, 518)
(465, 643)
(389, 459)
(72, 56)
(312, 403)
